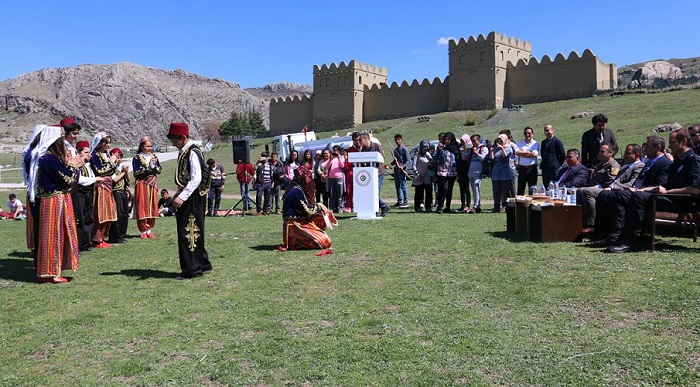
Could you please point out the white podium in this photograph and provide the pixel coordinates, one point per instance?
(365, 183)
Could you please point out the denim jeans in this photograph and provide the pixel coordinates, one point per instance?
(400, 185)
(245, 195)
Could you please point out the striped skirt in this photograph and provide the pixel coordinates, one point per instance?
(58, 238)
(303, 234)
(146, 199)
(105, 207)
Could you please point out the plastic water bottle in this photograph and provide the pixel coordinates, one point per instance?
(550, 189)
(572, 196)
(543, 190)
(556, 190)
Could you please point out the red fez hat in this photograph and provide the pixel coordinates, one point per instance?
(115, 151)
(178, 129)
(82, 144)
(67, 121)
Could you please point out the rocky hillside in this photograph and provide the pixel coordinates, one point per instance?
(124, 99)
(660, 73)
(281, 89)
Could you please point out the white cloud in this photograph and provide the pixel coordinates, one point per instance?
(444, 41)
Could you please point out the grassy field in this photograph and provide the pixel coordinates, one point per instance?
(412, 299)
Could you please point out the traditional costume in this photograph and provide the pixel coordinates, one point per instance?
(84, 202)
(32, 210)
(122, 200)
(146, 166)
(193, 179)
(58, 241)
(304, 225)
(105, 207)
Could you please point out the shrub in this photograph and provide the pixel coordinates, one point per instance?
(471, 121)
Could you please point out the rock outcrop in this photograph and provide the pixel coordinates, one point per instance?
(124, 99)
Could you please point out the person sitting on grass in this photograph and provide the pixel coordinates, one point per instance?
(303, 225)
(165, 204)
(16, 209)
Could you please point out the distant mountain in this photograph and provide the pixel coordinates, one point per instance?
(124, 99)
(281, 89)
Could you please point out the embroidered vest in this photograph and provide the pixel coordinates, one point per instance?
(182, 174)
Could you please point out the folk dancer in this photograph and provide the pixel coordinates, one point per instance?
(193, 180)
(304, 225)
(105, 208)
(52, 174)
(84, 198)
(32, 211)
(146, 166)
(122, 199)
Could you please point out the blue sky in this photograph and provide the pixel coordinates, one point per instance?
(254, 43)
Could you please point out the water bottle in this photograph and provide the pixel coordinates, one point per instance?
(556, 190)
(572, 196)
(550, 189)
(543, 190)
(563, 192)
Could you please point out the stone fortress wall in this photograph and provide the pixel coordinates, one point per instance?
(486, 72)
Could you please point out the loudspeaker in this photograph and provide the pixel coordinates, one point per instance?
(241, 151)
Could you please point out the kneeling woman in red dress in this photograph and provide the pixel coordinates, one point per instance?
(304, 225)
(54, 171)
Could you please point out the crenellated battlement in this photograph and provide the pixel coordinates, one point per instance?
(350, 66)
(484, 72)
(426, 83)
(559, 59)
(493, 37)
(291, 99)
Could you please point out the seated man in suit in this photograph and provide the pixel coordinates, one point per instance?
(611, 205)
(574, 174)
(608, 167)
(683, 178)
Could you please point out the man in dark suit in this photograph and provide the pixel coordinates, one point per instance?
(574, 174)
(624, 178)
(593, 138)
(611, 206)
(683, 178)
(553, 155)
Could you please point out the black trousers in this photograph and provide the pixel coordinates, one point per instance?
(194, 259)
(526, 176)
(444, 193)
(424, 194)
(83, 203)
(465, 198)
(117, 230)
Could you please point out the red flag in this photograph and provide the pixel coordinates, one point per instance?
(305, 128)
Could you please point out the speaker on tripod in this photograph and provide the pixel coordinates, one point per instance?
(241, 151)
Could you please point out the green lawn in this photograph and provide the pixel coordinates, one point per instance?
(412, 299)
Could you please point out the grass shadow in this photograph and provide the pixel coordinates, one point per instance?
(16, 269)
(264, 247)
(509, 236)
(143, 274)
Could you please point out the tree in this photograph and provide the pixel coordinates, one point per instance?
(211, 131)
(241, 124)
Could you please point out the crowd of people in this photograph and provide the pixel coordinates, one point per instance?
(79, 198)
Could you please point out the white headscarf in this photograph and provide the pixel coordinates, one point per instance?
(37, 130)
(49, 135)
(96, 140)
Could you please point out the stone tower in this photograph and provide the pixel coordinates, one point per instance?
(477, 70)
(339, 93)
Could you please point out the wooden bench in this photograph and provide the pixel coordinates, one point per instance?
(687, 220)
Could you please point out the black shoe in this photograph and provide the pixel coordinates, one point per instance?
(604, 242)
(438, 211)
(477, 210)
(384, 211)
(623, 248)
(208, 214)
(89, 248)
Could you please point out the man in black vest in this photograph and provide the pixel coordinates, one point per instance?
(193, 179)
